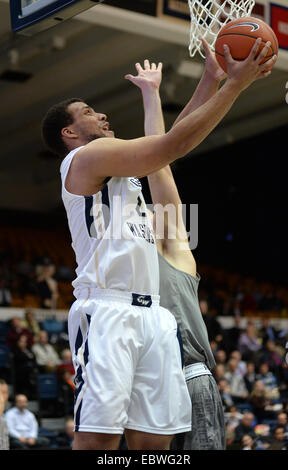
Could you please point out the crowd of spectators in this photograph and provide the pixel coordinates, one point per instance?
(33, 355)
(252, 376)
(38, 283)
(45, 279)
(251, 372)
(251, 368)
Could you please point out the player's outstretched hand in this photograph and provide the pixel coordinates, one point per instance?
(247, 71)
(211, 64)
(148, 77)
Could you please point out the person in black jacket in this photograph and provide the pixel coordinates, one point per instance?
(245, 427)
(25, 369)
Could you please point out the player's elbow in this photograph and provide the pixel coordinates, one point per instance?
(177, 146)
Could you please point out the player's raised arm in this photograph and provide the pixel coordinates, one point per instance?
(106, 157)
(208, 84)
(169, 228)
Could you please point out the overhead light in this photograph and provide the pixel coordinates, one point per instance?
(188, 68)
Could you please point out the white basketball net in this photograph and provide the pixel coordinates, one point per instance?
(208, 17)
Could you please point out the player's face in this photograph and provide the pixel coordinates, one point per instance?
(88, 124)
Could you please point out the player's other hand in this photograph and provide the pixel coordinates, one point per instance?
(148, 77)
(245, 72)
(212, 67)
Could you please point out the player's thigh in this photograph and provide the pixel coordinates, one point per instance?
(95, 441)
(104, 355)
(137, 440)
(160, 401)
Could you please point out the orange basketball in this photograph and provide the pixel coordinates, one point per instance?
(240, 35)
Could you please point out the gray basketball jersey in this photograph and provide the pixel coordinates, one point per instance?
(179, 294)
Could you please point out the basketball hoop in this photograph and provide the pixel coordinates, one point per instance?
(208, 17)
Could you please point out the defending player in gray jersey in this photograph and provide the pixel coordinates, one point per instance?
(179, 279)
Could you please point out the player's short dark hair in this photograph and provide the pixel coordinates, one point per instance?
(53, 122)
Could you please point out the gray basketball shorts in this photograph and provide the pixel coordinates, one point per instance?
(208, 424)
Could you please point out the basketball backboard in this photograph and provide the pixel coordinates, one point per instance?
(32, 16)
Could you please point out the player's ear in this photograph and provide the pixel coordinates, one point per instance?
(69, 133)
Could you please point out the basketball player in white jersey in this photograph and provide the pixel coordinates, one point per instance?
(124, 345)
(179, 279)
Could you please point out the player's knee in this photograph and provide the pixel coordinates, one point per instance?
(95, 441)
(144, 441)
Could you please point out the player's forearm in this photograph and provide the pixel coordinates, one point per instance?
(194, 128)
(163, 178)
(161, 183)
(153, 116)
(206, 88)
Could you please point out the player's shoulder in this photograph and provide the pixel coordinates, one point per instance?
(92, 147)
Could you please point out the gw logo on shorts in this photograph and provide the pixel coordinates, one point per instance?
(141, 300)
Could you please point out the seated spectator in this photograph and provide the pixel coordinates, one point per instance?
(259, 400)
(17, 330)
(214, 347)
(219, 372)
(246, 426)
(249, 344)
(5, 294)
(25, 369)
(66, 392)
(232, 335)
(250, 376)
(271, 356)
(225, 394)
(47, 358)
(4, 433)
(281, 420)
(263, 436)
(269, 381)
(30, 323)
(221, 357)
(66, 362)
(232, 417)
(247, 442)
(23, 427)
(214, 328)
(267, 332)
(241, 367)
(278, 442)
(230, 440)
(65, 438)
(46, 284)
(236, 382)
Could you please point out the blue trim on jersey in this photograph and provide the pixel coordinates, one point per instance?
(105, 205)
(79, 381)
(88, 213)
(86, 349)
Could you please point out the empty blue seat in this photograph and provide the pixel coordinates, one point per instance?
(53, 326)
(47, 386)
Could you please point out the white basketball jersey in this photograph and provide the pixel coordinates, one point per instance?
(112, 236)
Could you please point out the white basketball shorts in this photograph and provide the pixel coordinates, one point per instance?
(127, 363)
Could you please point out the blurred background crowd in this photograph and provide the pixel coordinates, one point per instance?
(242, 318)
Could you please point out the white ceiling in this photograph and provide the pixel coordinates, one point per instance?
(85, 59)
